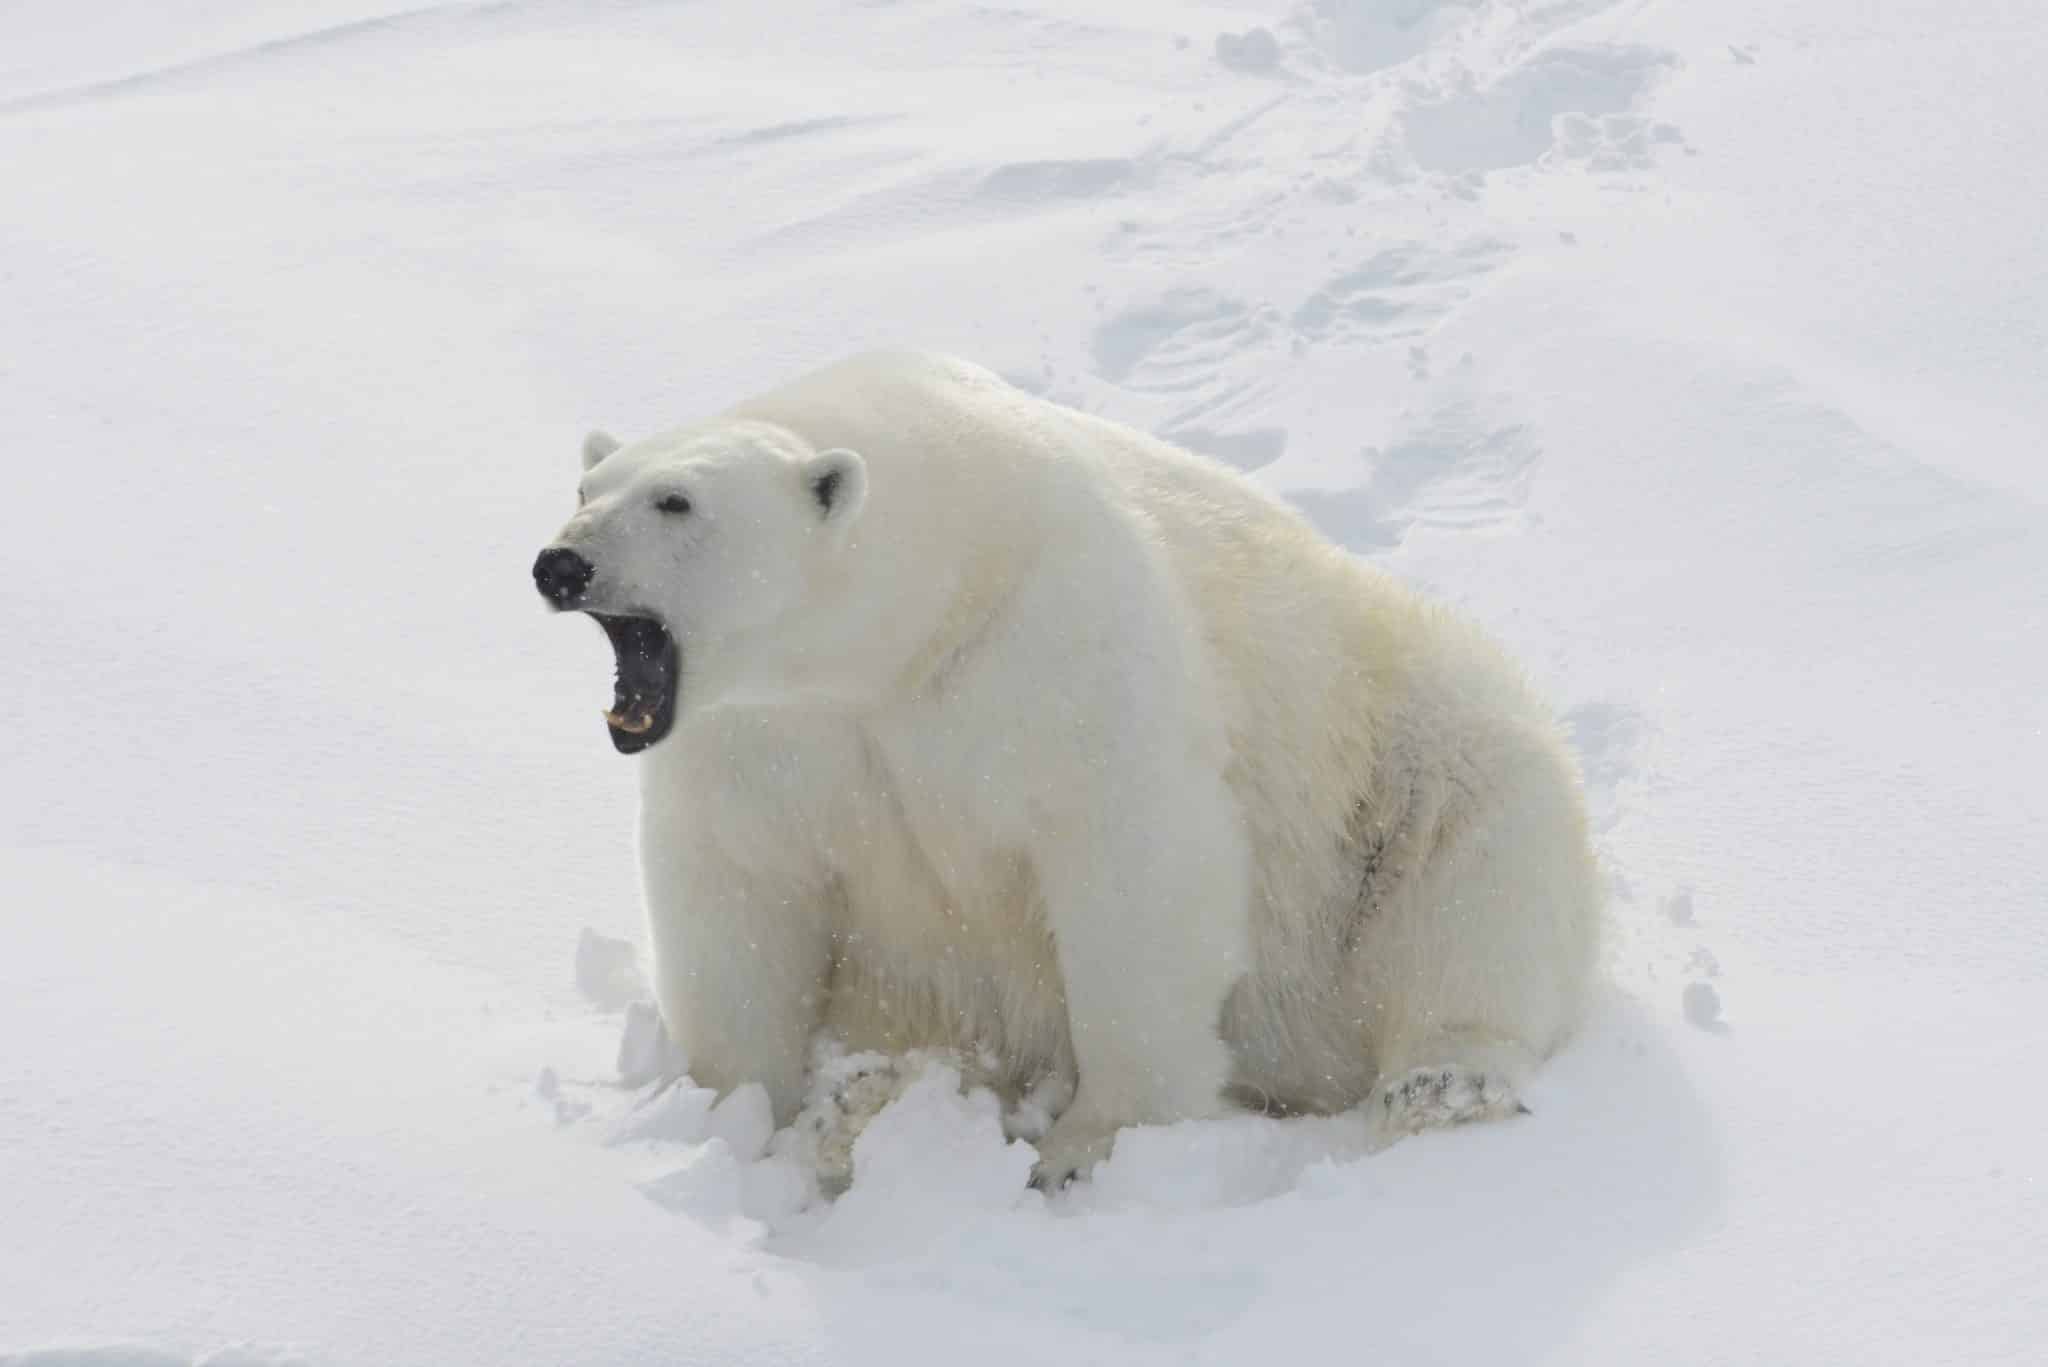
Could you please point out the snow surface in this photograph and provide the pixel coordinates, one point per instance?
(1697, 349)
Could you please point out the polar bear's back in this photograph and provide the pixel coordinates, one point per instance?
(975, 450)
(974, 444)
(1315, 650)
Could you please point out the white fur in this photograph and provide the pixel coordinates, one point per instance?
(1054, 743)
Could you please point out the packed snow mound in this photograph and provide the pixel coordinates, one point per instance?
(1693, 349)
(133, 1355)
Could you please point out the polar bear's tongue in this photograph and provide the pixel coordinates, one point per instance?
(643, 692)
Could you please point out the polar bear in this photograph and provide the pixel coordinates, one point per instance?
(971, 721)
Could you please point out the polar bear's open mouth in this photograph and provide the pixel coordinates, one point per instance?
(649, 665)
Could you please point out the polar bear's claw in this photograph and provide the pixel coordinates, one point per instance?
(1438, 1098)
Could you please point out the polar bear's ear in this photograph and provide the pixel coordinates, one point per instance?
(837, 482)
(597, 446)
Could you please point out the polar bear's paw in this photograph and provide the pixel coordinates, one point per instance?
(847, 1090)
(1063, 1157)
(846, 1093)
(1077, 1141)
(1438, 1098)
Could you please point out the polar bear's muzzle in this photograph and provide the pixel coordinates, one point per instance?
(649, 666)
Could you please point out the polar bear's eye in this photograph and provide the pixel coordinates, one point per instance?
(673, 503)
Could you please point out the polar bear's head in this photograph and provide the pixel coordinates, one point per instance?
(701, 554)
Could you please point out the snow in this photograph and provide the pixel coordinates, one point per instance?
(1696, 349)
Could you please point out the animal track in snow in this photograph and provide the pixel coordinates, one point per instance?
(1608, 738)
(1179, 341)
(1370, 35)
(894, 197)
(1613, 142)
(1702, 1006)
(1521, 117)
(1396, 292)
(1255, 50)
(1457, 472)
(1025, 183)
(1247, 449)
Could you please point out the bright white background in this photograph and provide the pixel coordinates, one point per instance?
(1696, 349)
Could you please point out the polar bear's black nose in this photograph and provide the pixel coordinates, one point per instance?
(561, 575)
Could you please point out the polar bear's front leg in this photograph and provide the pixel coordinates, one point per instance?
(741, 965)
(1148, 906)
